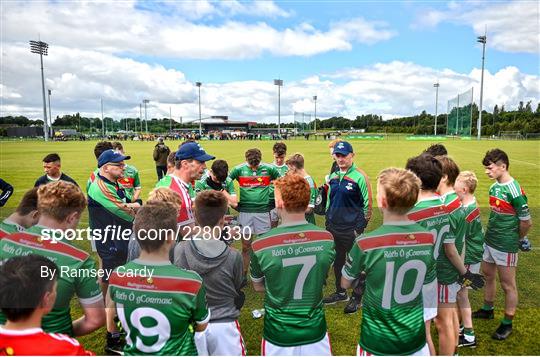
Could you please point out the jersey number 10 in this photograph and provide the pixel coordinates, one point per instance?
(394, 287)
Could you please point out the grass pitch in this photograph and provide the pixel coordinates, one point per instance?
(20, 165)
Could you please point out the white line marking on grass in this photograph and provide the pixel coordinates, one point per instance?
(512, 160)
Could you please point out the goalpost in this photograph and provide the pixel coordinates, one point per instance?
(510, 135)
(459, 114)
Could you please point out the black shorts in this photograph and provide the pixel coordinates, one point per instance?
(110, 258)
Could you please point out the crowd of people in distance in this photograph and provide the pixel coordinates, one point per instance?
(181, 291)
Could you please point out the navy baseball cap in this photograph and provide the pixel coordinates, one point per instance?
(343, 147)
(110, 155)
(192, 150)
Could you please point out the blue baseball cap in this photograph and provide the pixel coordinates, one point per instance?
(192, 150)
(343, 147)
(110, 155)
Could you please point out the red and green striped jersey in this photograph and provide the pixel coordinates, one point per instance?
(312, 197)
(157, 307)
(431, 214)
(508, 204)
(396, 258)
(130, 181)
(91, 178)
(187, 194)
(446, 272)
(293, 261)
(7, 227)
(77, 275)
(254, 186)
(474, 239)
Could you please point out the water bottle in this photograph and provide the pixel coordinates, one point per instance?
(258, 313)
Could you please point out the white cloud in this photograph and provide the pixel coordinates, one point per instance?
(255, 8)
(122, 27)
(80, 78)
(511, 26)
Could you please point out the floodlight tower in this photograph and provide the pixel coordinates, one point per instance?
(279, 84)
(436, 85)
(315, 116)
(482, 40)
(199, 84)
(146, 101)
(41, 48)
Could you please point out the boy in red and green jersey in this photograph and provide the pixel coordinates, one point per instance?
(25, 216)
(279, 150)
(431, 212)
(396, 259)
(465, 186)
(159, 304)
(506, 233)
(254, 179)
(254, 183)
(67, 257)
(78, 273)
(290, 263)
(452, 274)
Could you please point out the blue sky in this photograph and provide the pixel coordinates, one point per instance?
(357, 56)
(447, 45)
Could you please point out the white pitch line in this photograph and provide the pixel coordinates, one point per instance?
(512, 160)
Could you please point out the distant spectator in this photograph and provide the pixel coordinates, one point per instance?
(7, 190)
(53, 171)
(161, 152)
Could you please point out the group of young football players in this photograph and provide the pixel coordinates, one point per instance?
(180, 291)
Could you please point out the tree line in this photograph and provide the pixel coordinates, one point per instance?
(522, 119)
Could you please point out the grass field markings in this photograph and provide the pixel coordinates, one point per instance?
(513, 160)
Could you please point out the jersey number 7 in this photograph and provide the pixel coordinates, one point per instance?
(307, 262)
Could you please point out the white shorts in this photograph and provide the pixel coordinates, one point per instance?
(473, 268)
(429, 292)
(93, 245)
(494, 256)
(273, 215)
(258, 222)
(220, 339)
(448, 293)
(321, 348)
(424, 351)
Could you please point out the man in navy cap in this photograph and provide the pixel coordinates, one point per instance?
(190, 164)
(111, 216)
(348, 210)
